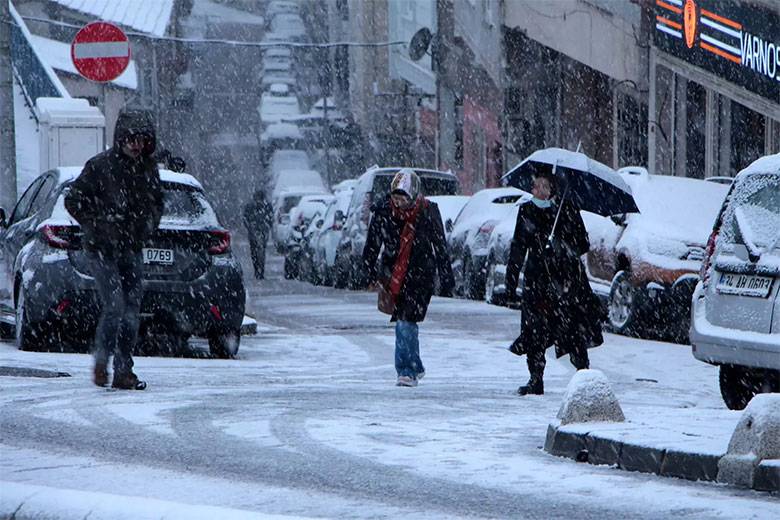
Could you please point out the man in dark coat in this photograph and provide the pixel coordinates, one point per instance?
(558, 304)
(258, 218)
(410, 229)
(118, 201)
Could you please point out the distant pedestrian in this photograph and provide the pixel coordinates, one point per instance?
(258, 218)
(118, 201)
(558, 305)
(407, 229)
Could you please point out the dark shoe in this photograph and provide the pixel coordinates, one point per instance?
(100, 375)
(128, 382)
(533, 387)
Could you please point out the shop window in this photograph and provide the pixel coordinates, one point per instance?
(632, 131)
(696, 115)
(748, 136)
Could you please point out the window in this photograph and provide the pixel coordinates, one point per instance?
(43, 194)
(748, 130)
(696, 114)
(187, 207)
(23, 206)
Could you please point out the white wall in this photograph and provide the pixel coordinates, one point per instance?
(405, 18)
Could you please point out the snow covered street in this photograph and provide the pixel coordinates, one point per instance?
(307, 422)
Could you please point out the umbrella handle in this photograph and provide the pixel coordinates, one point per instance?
(557, 216)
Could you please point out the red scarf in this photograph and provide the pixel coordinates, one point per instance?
(409, 217)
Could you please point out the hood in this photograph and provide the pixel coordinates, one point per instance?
(134, 122)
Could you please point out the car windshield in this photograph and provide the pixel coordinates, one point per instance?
(290, 202)
(753, 217)
(186, 206)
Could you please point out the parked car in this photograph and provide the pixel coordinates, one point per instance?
(498, 255)
(374, 186)
(301, 217)
(280, 136)
(277, 109)
(325, 242)
(192, 282)
(735, 320)
(468, 242)
(449, 208)
(646, 265)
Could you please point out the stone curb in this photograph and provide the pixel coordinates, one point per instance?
(589, 447)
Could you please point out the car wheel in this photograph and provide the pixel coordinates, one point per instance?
(29, 336)
(738, 385)
(624, 305)
(224, 345)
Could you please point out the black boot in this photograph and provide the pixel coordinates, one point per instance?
(535, 386)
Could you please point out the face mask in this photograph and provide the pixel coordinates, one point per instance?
(544, 204)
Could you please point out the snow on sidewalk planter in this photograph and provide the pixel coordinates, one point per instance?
(753, 457)
(675, 442)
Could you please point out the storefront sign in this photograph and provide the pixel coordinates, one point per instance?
(738, 41)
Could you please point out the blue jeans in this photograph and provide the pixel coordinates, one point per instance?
(118, 284)
(407, 349)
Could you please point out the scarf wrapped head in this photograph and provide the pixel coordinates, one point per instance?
(406, 181)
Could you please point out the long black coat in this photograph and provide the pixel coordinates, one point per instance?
(258, 216)
(428, 257)
(558, 305)
(118, 200)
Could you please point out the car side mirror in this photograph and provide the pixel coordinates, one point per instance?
(320, 222)
(3, 222)
(620, 219)
(449, 226)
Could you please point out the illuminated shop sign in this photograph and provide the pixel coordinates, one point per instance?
(736, 40)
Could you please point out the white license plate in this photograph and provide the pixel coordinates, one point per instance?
(158, 256)
(745, 285)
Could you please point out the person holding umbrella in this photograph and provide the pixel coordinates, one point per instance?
(558, 304)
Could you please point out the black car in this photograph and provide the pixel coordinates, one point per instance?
(192, 282)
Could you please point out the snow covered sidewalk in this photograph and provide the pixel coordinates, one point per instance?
(671, 442)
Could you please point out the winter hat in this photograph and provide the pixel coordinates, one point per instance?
(406, 181)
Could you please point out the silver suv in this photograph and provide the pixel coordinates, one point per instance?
(735, 320)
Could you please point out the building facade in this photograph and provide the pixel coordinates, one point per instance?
(714, 86)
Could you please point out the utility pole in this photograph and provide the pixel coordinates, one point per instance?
(7, 128)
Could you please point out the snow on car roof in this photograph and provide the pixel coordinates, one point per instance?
(69, 174)
(392, 170)
(282, 131)
(665, 205)
(300, 179)
(766, 164)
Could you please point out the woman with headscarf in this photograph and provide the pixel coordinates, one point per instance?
(558, 306)
(409, 227)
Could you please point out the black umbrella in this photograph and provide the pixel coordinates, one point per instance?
(590, 185)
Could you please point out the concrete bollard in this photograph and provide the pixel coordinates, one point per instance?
(753, 456)
(589, 398)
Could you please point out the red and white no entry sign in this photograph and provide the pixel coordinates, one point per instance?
(100, 51)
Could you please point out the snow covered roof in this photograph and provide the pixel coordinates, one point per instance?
(69, 173)
(148, 16)
(57, 54)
